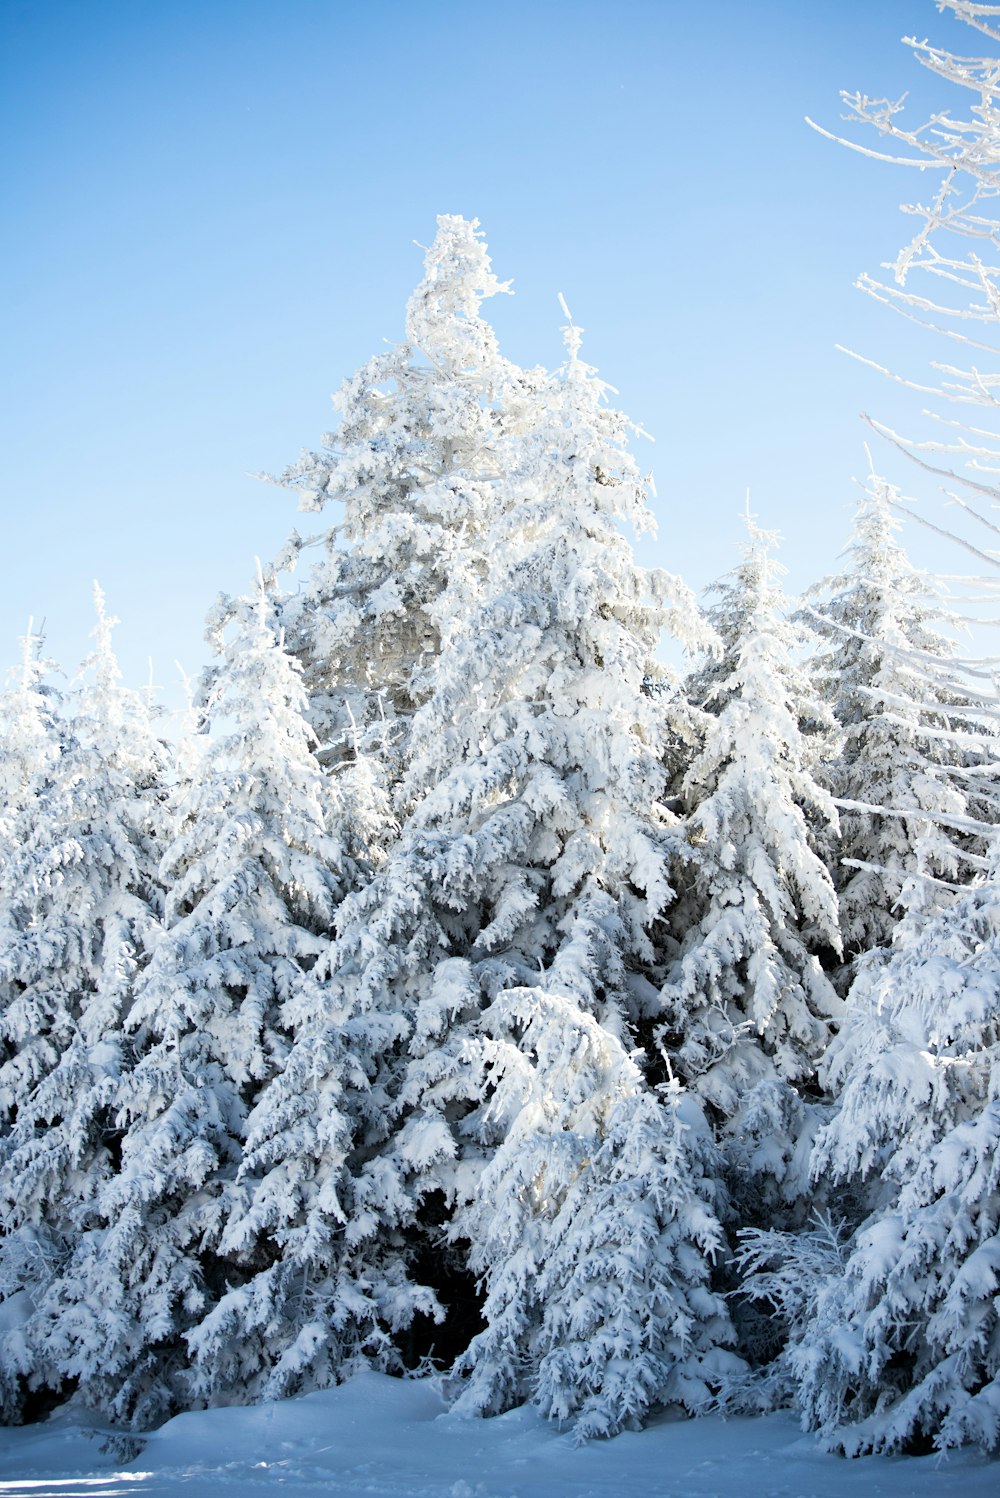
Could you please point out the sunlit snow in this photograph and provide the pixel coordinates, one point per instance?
(378, 1437)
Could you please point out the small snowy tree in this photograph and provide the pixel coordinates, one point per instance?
(748, 1006)
(254, 871)
(909, 762)
(900, 1347)
(31, 742)
(86, 916)
(629, 1321)
(34, 737)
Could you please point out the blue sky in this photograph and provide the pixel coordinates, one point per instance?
(210, 212)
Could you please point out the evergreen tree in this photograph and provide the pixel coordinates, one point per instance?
(906, 747)
(512, 917)
(748, 1006)
(86, 906)
(898, 1346)
(894, 1337)
(512, 928)
(34, 734)
(31, 742)
(253, 871)
(414, 463)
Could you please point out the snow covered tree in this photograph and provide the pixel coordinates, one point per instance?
(597, 1228)
(748, 1008)
(511, 919)
(33, 738)
(897, 1344)
(907, 744)
(512, 927)
(84, 906)
(629, 1321)
(899, 1347)
(29, 719)
(31, 742)
(414, 463)
(254, 871)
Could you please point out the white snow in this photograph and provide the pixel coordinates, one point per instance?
(379, 1437)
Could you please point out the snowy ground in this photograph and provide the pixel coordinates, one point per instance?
(379, 1438)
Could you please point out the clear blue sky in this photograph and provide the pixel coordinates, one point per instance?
(210, 209)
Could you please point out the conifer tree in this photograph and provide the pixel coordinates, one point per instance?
(512, 928)
(906, 747)
(748, 1006)
(253, 871)
(512, 917)
(31, 742)
(894, 1341)
(898, 1345)
(86, 918)
(414, 464)
(34, 735)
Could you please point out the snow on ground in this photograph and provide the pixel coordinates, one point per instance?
(378, 1437)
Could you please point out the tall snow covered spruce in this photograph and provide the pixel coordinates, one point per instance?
(748, 1007)
(469, 1055)
(415, 463)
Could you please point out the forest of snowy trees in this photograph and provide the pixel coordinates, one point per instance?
(465, 988)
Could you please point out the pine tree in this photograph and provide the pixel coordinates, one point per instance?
(253, 872)
(414, 462)
(629, 1320)
(894, 1340)
(906, 746)
(85, 920)
(899, 1346)
(512, 928)
(31, 742)
(748, 1007)
(34, 735)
